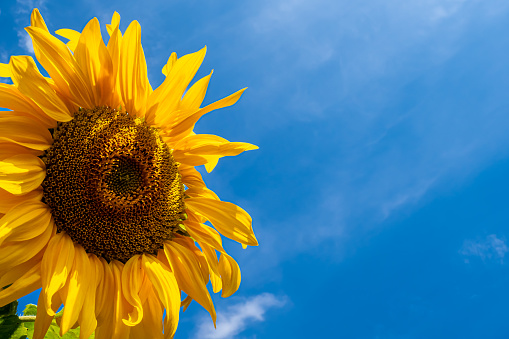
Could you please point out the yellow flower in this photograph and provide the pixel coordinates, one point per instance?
(100, 202)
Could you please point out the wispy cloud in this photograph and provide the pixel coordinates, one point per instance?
(382, 85)
(22, 12)
(25, 42)
(238, 317)
(492, 248)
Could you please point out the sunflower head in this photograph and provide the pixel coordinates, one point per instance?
(101, 205)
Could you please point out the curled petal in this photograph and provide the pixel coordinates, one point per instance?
(120, 305)
(75, 289)
(56, 266)
(87, 318)
(43, 320)
(131, 285)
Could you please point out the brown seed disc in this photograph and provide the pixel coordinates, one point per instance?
(112, 184)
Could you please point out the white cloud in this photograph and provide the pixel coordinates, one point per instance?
(238, 317)
(490, 248)
(23, 10)
(25, 41)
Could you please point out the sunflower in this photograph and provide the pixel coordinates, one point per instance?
(100, 202)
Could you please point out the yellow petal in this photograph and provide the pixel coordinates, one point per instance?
(14, 253)
(16, 272)
(213, 262)
(56, 266)
(43, 320)
(24, 131)
(185, 303)
(230, 275)
(229, 219)
(25, 221)
(36, 20)
(76, 288)
(105, 290)
(31, 83)
(211, 163)
(87, 318)
(209, 241)
(134, 83)
(171, 61)
(131, 285)
(205, 234)
(151, 326)
(194, 97)
(113, 47)
(183, 124)
(167, 290)
(166, 98)
(95, 62)
(8, 200)
(186, 268)
(21, 173)
(200, 149)
(11, 98)
(70, 34)
(201, 193)
(115, 22)
(60, 64)
(28, 283)
(5, 71)
(191, 177)
(121, 306)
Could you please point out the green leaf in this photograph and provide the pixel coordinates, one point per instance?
(54, 329)
(9, 309)
(30, 329)
(12, 328)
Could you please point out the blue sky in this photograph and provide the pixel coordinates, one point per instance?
(379, 193)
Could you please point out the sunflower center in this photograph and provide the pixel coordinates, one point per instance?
(112, 184)
(125, 177)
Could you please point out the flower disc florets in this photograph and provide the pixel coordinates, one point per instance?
(112, 184)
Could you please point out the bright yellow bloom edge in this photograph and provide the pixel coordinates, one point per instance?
(114, 300)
